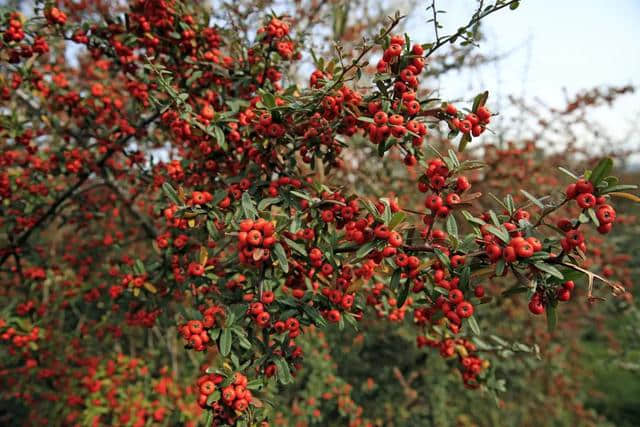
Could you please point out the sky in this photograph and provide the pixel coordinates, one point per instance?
(551, 45)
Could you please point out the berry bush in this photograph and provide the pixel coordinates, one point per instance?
(185, 225)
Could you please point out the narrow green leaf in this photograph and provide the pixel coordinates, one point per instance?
(283, 372)
(248, 206)
(500, 232)
(268, 201)
(208, 420)
(219, 134)
(365, 249)
(568, 173)
(480, 100)
(473, 324)
(531, 197)
(592, 215)
(315, 316)
(548, 268)
(395, 279)
(404, 292)
(225, 342)
(452, 227)
(552, 317)
(621, 187)
(171, 193)
(602, 169)
(296, 246)
(281, 255)
(442, 257)
(466, 138)
(396, 219)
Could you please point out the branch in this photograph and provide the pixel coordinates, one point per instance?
(70, 191)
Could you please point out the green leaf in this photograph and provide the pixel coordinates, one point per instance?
(281, 255)
(208, 420)
(213, 397)
(301, 195)
(494, 218)
(511, 207)
(248, 206)
(454, 159)
(283, 373)
(547, 268)
(621, 187)
(364, 250)
(138, 268)
(452, 227)
(242, 338)
(395, 279)
(366, 119)
(514, 5)
(225, 342)
(315, 316)
(382, 147)
(442, 257)
(296, 246)
(479, 101)
(193, 77)
(471, 218)
(219, 134)
(552, 317)
(473, 324)
(255, 384)
(171, 193)
(592, 214)
(268, 201)
(396, 219)
(531, 197)
(602, 169)
(404, 292)
(568, 173)
(500, 233)
(466, 138)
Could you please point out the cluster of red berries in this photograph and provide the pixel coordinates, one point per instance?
(407, 76)
(583, 193)
(517, 248)
(231, 400)
(135, 281)
(473, 123)
(333, 105)
(264, 124)
(540, 298)
(385, 125)
(390, 310)
(55, 16)
(258, 312)
(276, 28)
(470, 364)
(18, 340)
(196, 331)
(255, 238)
(14, 31)
(341, 213)
(142, 317)
(436, 179)
(317, 78)
(454, 307)
(284, 181)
